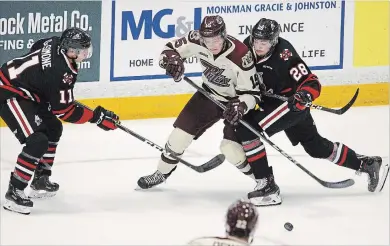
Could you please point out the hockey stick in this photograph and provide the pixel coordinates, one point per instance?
(341, 184)
(211, 164)
(330, 110)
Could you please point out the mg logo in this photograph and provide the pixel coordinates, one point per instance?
(150, 23)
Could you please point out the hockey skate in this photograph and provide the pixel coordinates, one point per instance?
(17, 201)
(41, 186)
(149, 181)
(376, 171)
(266, 193)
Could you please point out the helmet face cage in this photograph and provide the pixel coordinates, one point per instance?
(213, 42)
(78, 41)
(85, 53)
(212, 33)
(261, 44)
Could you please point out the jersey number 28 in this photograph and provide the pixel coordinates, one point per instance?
(298, 71)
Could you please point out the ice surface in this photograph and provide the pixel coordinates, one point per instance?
(97, 204)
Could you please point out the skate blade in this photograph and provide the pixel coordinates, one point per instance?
(13, 207)
(382, 180)
(34, 194)
(155, 188)
(266, 201)
(138, 188)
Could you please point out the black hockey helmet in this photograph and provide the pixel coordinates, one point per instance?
(76, 39)
(212, 26)
(241, 219)
(266, 29)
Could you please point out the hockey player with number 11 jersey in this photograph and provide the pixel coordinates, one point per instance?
(35, 90)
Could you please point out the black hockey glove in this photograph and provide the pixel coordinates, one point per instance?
(104, 118)
(175, 67)
(300, 101)
(234, 111)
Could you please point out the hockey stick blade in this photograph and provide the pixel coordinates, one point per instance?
(211, 164)
(340, 184)
(349, 105)
(341, 110)
(337, 185)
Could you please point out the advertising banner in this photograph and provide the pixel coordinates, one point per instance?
(24, 22)
(140, 31)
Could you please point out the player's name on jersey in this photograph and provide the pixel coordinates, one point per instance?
(39, 23)
(284, 27)
(148, 62)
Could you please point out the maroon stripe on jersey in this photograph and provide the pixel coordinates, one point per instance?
(36, 98)
(14, 90)
(23, 122)
(286, 90)
(68, 114)
(87, 116)
(63, 111)
(4, 79)
(272, 115)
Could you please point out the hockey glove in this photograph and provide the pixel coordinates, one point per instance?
(175, 67)
(300, 101)
(104, 118)
(234, 111)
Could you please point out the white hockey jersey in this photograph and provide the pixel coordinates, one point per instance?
(231, 74)
(217, 241)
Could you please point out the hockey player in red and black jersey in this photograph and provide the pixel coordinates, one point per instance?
(285, 73)
(35, 90)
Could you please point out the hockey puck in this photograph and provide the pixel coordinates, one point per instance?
(288, 226)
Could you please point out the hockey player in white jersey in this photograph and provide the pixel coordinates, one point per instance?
(241, 224)
(228, 73)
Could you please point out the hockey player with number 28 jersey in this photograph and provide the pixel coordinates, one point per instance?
(285, 73)
(228, 73)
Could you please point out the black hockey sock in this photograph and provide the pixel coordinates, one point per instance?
(344, 156)
(24, 169)
(47, 160)
(257, 158)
